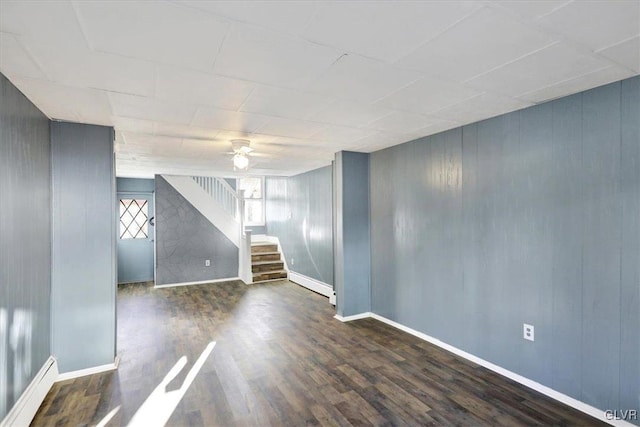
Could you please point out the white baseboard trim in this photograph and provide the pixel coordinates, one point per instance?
(567, 400)
(332, 298)
(89, 371)
(202, 282)
(313, 284)
(353, 317)
(27, 405)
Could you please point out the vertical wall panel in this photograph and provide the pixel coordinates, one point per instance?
(601, 250)
(25, 242)
(353, 267)
(544, 228)
(299, 213)
(83, 289)
(566, 192)
(630, 261)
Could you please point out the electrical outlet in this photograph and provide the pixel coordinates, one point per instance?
(207, 263)
(528, 332)
(292, 262)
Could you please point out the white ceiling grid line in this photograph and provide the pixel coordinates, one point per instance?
(178, 80)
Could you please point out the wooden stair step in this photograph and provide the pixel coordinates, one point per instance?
(267, 266)
(256, 249)
(269, 275)
(266, 256)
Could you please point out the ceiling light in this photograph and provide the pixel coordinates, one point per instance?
(240, 161)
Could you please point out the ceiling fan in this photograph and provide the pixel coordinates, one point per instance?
(241, 149)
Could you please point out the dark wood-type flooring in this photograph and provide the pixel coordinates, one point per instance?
(281, 359)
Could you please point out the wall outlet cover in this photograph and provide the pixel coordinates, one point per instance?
(528, 332)
(207, 262)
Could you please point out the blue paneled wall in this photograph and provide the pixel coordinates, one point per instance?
(529, 217)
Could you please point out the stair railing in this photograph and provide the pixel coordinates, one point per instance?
(221, 192)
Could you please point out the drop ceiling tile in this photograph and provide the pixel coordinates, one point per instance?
(481, 107)
(228, 120)
(286, 16)
(53, 23)
(536, 71)
(379, 141)
(383, 30)
(127, 124)
(626, 53)
(402, 122)
(255, 138)
(578, 84)
(341, 134)
(284, 102)
(360, 79)
(139, 107)
(193, 87)
(349, 113)
(184, 131)
(15, 60)
(597, 24)
(81, 67)
(65, 102)
(153, 30)
(426, 95)
(271, 57)
(482, 41)
(531, 9)
(290, 127)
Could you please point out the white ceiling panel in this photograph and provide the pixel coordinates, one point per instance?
(349, 113)
(379, 140)
(127, 124)
(428, 94)
(66, 102)
(360, 79)
(481, 107)
(184, 131)
(287, 16)
(341, 134)
(290, 128)
(193, 87)
(81, 67)
(284, 102)
(531, 9)
(626, 53)
(228, 120)
(302, 80)
(598, 24)
(15, 60)
(273, 58)
(140, 107)
(385, 30)
(153, 30)
(402, 122)
(577, 84)
(486, 39)
(49, 22)
(539, 70)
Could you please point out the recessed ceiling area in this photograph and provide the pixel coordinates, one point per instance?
(178, 80)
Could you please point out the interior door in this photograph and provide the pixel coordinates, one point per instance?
(136, 235)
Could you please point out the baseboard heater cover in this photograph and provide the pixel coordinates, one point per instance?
(27, 405)
(312, 284)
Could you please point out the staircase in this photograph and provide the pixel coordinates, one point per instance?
(266, 262)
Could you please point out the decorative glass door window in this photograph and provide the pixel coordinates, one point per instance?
(134, 219)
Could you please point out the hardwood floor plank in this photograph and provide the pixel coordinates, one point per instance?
(281, 359)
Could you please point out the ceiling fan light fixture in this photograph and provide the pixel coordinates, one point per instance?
(240, 161)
